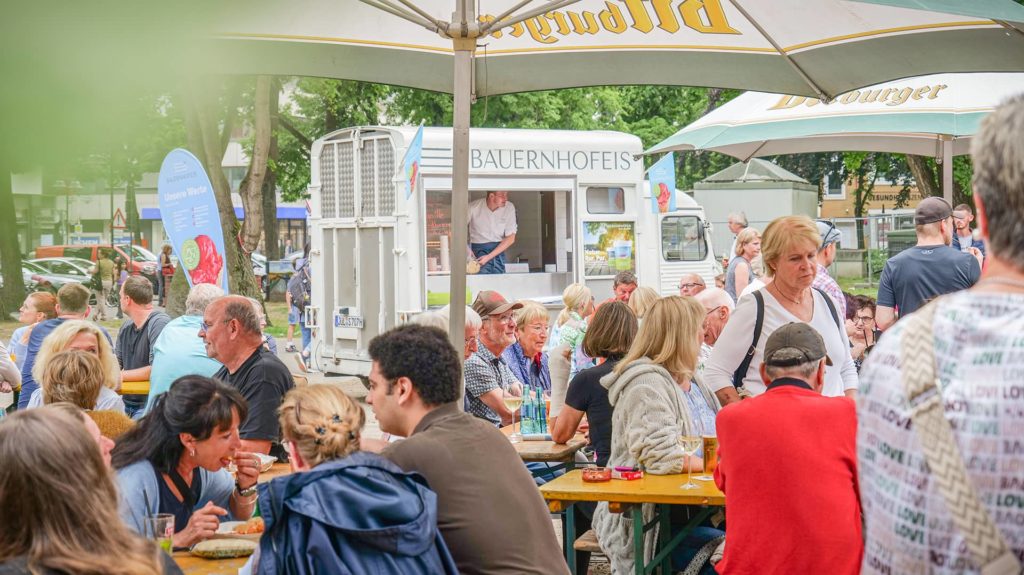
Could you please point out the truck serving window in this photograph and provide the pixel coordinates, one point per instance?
(606, 201)
(682, 239)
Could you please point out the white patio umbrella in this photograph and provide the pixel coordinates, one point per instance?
(931, 115)
(476, 48)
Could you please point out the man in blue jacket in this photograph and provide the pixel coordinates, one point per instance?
(489, 510)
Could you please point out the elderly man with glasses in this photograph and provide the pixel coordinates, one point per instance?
(488, 376)
(826, 255)
(691, 285)
(718, 307)
(231, 332)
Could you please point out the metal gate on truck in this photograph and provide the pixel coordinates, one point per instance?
(353, 249)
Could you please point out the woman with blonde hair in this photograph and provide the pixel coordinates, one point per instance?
(740, 272)
(83, 336)
(526, 357)
(657, 397)
(61, 518)
(571, 323)
(789, 253)
(642, 299)
(329, 516)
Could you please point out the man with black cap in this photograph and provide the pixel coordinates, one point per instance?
(826, 255)
(487, 374)
(931, 268)
(790, 440)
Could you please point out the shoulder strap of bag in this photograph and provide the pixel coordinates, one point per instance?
(832, 308)
(984, 540)
(741, 371)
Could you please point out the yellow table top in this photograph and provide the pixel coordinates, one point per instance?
(192, 565)
(547, 450)
(134, 388)
(650, 489)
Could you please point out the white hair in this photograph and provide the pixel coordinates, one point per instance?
(441, 318)
(200, 296)
(713, 297)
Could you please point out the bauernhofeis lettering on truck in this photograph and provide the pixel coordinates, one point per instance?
(550, 160)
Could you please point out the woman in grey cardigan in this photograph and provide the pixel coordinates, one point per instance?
(656, 398)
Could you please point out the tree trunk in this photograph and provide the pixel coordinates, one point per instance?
(204, 138)
(13, 292)
(924, 176)
(251, 189)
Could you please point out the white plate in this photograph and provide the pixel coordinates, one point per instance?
(227, 531)
(266, 462)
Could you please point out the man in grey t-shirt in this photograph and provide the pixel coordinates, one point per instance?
(931, 268)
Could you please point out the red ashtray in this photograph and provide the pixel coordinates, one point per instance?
(596, 474)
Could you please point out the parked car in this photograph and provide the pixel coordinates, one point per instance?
(142, 261)
(72, 267)
(38, 277)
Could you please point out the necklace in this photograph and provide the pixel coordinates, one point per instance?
(1004, 281)
(779, 291)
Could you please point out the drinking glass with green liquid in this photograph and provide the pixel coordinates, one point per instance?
(160, 528)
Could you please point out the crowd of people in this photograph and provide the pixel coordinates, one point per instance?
(830, 413)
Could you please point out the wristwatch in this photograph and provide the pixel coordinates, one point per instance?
(249, 492)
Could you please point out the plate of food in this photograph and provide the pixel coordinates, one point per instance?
(266, 462)
(251, 529)
(224, 548)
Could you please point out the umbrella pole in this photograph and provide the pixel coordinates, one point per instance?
(947, 170)
(464, 48)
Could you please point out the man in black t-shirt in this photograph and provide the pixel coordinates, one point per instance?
(931, 268)
(231, 332)
(135, 341)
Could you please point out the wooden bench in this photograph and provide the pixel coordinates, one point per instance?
(587, 542)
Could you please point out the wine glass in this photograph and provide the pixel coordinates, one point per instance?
(690, 445)
(513, 403)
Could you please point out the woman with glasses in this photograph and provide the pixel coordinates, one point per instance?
(526, 357)
(864, 332)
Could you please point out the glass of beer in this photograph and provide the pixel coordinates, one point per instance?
(710, 457)
(160, 528)
(513, 403)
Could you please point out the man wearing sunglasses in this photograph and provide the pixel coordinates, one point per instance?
(826, 255)
(963, 237)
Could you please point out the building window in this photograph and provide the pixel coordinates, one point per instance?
(834, 186)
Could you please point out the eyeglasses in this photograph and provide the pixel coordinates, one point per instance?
(205, 327)
(831, 228)
(538, 327)
(862, 319)
(690, 285)
(712, 310)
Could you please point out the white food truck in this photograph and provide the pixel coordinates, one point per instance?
(584, 213)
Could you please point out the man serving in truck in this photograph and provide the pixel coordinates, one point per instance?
(492, 230)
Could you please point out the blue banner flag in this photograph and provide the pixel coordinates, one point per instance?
(411, 165)
(188, 209)
(662, 176)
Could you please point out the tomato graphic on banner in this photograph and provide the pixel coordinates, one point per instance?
(662, 176)
(189, 212)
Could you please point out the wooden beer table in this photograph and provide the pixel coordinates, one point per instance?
(627, 496)
(561, 455)
(134, 388)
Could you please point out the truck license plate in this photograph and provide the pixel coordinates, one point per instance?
(348, 321)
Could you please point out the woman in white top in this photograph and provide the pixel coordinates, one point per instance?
(789, 247)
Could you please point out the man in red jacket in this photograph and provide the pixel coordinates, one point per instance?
(788, 467)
